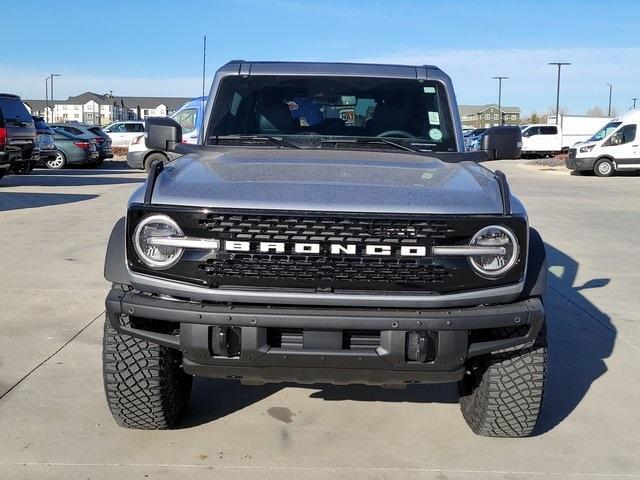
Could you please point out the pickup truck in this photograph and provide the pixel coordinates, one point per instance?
(327, 227)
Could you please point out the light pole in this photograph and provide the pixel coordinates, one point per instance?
(559, 65)
(634, 102)
(53, 103)
(46, 97)
(610, 91)
(500, 95)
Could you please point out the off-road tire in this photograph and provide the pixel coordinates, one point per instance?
(152, 159)
(144, 383)
(502, 395)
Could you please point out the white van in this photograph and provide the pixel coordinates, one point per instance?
(615, 147)
(551, 139)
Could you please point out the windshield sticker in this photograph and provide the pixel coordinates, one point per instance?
(292, 105)
(429, 89)
(435, 134)
(434, 118)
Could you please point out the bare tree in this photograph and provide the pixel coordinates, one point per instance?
(595, 111)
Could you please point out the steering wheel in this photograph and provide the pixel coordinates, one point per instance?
(396, 133)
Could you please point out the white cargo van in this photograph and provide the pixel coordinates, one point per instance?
(615, 147)
(550, 139)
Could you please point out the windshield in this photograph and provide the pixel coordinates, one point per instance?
(604, 131)
(411, 112)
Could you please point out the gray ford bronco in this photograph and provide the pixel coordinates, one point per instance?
(328, 227)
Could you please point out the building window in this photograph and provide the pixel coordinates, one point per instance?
(514, 117)
(487, 116)
(496, 116)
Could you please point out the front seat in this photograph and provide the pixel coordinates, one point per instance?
(386, 117)
(275, 119)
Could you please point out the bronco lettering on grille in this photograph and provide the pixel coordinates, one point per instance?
(333, 248)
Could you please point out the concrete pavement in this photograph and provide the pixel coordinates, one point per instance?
(55, 424)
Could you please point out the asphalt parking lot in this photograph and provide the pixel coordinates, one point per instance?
(54, 421)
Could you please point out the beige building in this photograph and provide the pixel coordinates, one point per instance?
(95, 109)
(483, 116)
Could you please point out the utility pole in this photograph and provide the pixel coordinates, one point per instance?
(559, 65)
(53, 103)
(634, 102)
(500, 96)
(610, 91)
(46, 96)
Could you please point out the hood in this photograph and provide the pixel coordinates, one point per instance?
(326, 180)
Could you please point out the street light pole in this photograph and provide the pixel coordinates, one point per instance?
(610, 90)
(500, 96)
(559, 65)
(46, 96)
(53, 103)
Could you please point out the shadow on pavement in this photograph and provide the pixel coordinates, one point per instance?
(19, 200)
(580, 338)
(212, 399)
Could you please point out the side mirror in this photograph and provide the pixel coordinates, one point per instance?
(502, 142)
(163, 133)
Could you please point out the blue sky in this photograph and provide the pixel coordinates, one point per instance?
(154, 47)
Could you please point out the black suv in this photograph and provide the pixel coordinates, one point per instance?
(17, 135)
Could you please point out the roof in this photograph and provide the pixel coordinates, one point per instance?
(36, 105)
(475, 109)
(331, 69)
(172, 103)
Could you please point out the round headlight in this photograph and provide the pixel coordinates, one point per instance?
(153, 255)
(494, 265)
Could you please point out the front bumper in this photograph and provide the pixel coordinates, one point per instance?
(136, 159)
(579, 163)
(236, 341)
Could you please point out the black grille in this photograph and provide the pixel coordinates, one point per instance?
(324, 271)
(314, 229)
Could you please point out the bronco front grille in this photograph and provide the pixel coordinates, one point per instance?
(323, 271)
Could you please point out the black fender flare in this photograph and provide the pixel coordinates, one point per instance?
(535, 283)
(115, 262)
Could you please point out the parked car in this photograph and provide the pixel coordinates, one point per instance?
(272, 252)
(613, 148)
(103, 141)
(73, 149)
(17, 135)
(122, 133)
(45, 142)
(472, 139)
(189, 117)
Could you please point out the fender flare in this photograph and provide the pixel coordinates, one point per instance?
(535, 283)
(115, 262)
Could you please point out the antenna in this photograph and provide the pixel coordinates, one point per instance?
(204, 63)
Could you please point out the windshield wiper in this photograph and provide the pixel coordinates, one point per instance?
(371, 140)
(281, 142)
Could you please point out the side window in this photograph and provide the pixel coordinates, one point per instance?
(549, 130)
(14, 110)
(117, 128)
(133, 127)
(531, 131)
(625, 135)
(186, 119)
